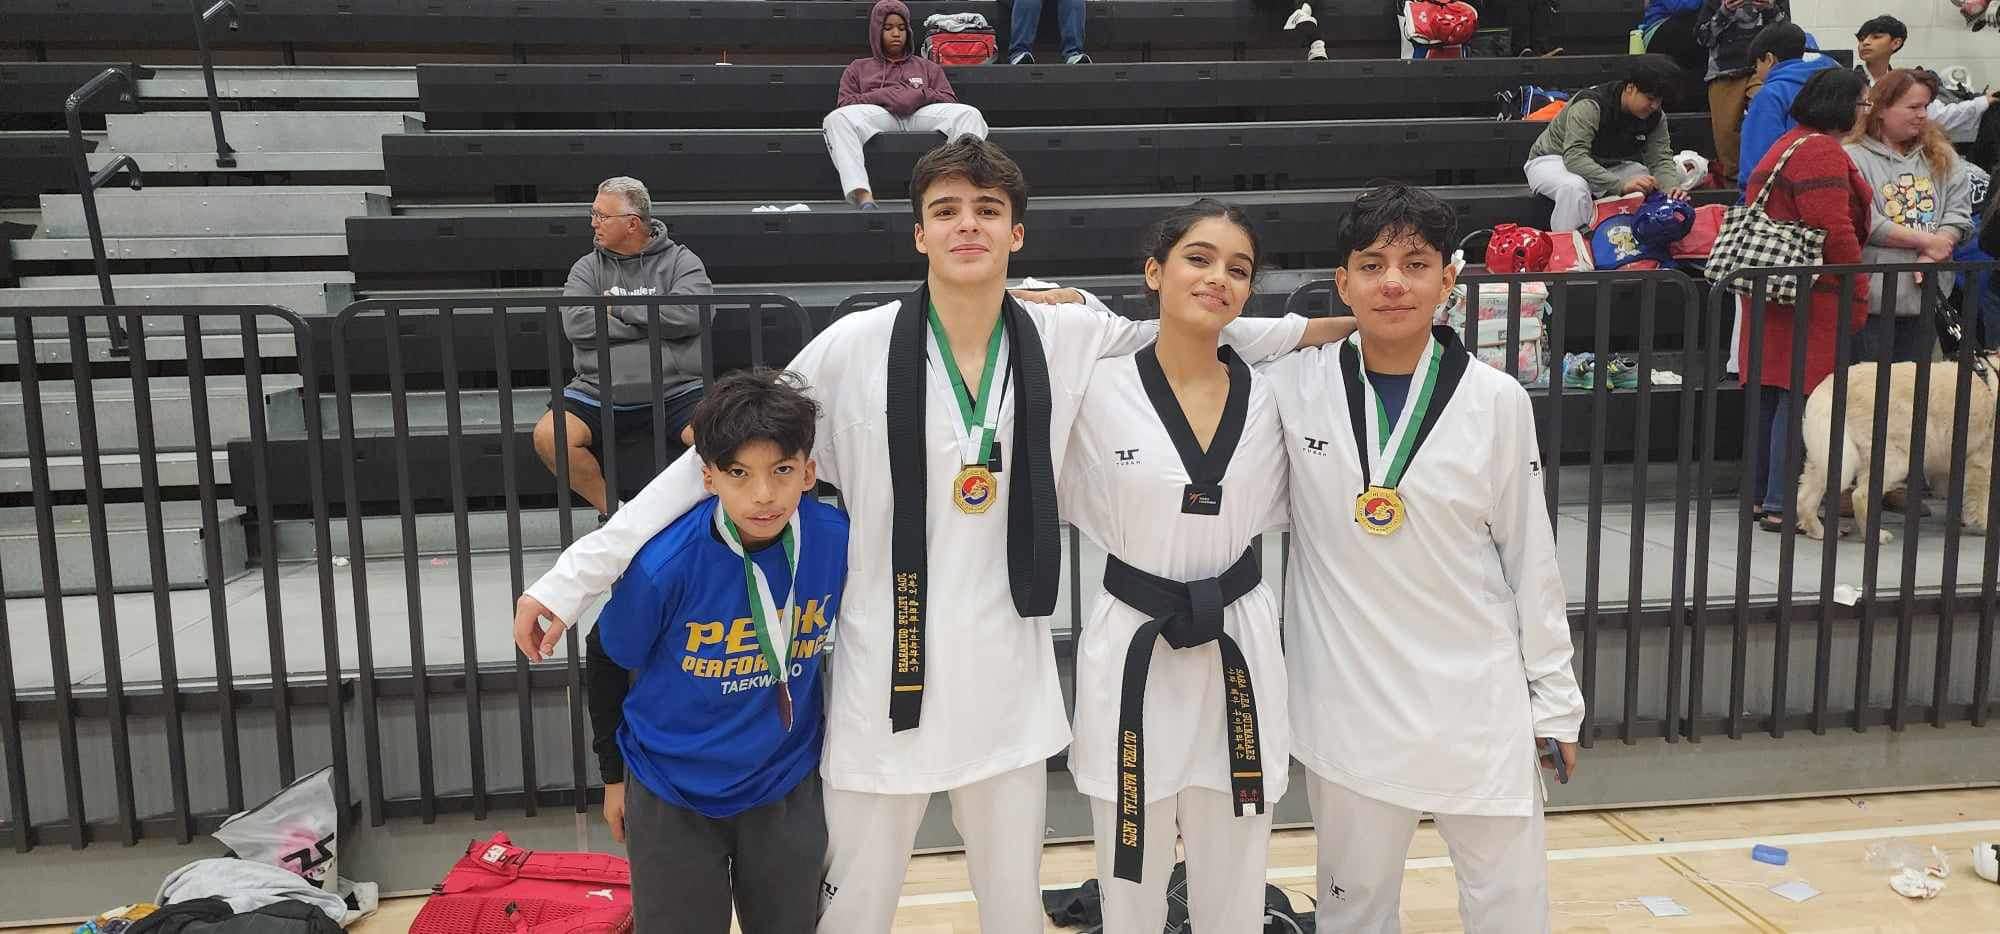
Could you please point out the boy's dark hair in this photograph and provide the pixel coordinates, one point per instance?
(759, 404)
(1399, 212)
(978, 161)
(1884, 25)
(1784, 40)
(1656, 75)
(1827, 101)
(1174, 227)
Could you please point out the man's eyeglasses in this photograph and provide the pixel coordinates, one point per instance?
(597, 218)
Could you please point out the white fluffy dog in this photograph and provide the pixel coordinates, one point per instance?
(1857, 441)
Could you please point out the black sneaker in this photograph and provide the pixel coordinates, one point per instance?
(1024, 58)
(1077, 59)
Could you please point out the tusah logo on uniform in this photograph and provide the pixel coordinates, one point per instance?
(1128, 455)
(1535, 468)
(1316, 446)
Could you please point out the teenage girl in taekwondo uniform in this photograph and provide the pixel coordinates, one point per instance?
(1176, 464)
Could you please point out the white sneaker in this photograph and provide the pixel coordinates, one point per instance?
(1317, 51)
(1986, 861)
(1304, 14)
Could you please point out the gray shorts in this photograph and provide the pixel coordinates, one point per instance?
(689, 870)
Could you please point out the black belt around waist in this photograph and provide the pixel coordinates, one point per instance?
(1186, 615)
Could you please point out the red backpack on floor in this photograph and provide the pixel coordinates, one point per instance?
(499, 888)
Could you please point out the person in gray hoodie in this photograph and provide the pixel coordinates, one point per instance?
(632, 256)
(1923, 208)
(892, 90)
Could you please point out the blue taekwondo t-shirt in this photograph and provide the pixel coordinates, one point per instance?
(701, 726)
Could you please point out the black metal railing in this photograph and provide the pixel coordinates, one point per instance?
(225, 156)
(87, 182)
(1682, 632)
(198, 788)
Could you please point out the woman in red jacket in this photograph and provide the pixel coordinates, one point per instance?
(1819, 187)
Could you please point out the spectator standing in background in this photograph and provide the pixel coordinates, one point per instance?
(1778, 53)
(1878, 40)
(1026, 21)
(892, 90)
(1668, 28)
(1726, 28)
(1819, 187)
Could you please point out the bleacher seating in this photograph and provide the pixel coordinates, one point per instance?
(485, 246)
(32, 93)
(474, 97)
(609, 29)
(528, 166)
(33, 163)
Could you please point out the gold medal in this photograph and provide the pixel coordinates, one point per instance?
(1379, 510)
(974, 490)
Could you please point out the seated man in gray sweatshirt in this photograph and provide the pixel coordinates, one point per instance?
(632, 256)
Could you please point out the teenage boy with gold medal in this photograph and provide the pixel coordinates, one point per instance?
(1427, 644)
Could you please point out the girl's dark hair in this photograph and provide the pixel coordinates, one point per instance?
(754, 405)
(1827, 101)
(1174, 227)
(1399, 212)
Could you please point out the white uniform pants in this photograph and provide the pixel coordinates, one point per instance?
(1225, 864)
(1575, 202)
(1501, 864)
(850, 128)
(868, 851)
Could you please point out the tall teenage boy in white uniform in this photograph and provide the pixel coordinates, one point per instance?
(1427, 643)
(944, 421)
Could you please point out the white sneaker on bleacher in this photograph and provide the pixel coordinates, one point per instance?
(1023, 58)
(1304, 14)
(1317, 51)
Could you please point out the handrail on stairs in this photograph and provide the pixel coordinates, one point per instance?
(225, 157)
(88, 182)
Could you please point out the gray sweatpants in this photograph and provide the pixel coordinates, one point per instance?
(687, 870)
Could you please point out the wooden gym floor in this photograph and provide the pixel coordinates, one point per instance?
(1601, 862)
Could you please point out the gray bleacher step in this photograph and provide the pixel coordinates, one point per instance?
(225, 247)
(436, 535)
(127, 541)
(211, 211)
(155, 163)
(120, 472)
(305, 298)
(117, 413)
(56, 350)
(479, 410)
(291, 82)
(256, 131)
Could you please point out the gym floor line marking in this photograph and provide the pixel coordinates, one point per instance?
(1680, 867)
(1287, 873)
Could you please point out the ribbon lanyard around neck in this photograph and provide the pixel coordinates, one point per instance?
(1397, 442)
(978, 419)
(774, 629)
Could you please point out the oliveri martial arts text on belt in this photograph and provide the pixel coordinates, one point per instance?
(1186, 615)
(1380, 508)
(1034, 549)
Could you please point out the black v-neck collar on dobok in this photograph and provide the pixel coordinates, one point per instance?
(1203, 467)
(1451, 371)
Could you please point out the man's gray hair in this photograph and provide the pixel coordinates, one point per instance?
(634, 193)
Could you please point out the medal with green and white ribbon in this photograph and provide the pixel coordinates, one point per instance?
(974, 489)
(772, 625)
(1379, 509)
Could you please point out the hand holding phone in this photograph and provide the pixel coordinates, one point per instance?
(1552, 752)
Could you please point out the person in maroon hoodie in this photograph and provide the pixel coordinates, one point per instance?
(892, 90)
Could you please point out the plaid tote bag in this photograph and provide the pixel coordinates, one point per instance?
(1751, 239)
